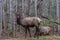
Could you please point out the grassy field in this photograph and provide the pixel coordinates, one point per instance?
(40, 38)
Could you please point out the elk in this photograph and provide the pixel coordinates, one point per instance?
(28, 22)
(46, 30)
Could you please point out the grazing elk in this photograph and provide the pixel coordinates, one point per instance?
(29, 22)
(46, 30)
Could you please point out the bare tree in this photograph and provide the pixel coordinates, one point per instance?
(13, 10)
(36, 7)
(0, 17)
(4, 13)
(14, 17)
(22, 8)
(57, 11)
(10, 17)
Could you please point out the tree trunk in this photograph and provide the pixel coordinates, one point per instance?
(4, 14)
(35, 7)
(57, 12)
(12, 17)
(0, 17)
(23, 8)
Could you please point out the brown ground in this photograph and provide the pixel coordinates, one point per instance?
(21, 33)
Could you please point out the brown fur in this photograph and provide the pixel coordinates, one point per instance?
(27, 22)
(46, 30)
(31, 21)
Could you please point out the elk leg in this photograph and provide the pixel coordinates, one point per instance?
(37, 32)
(25, 32)
(29, 32)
